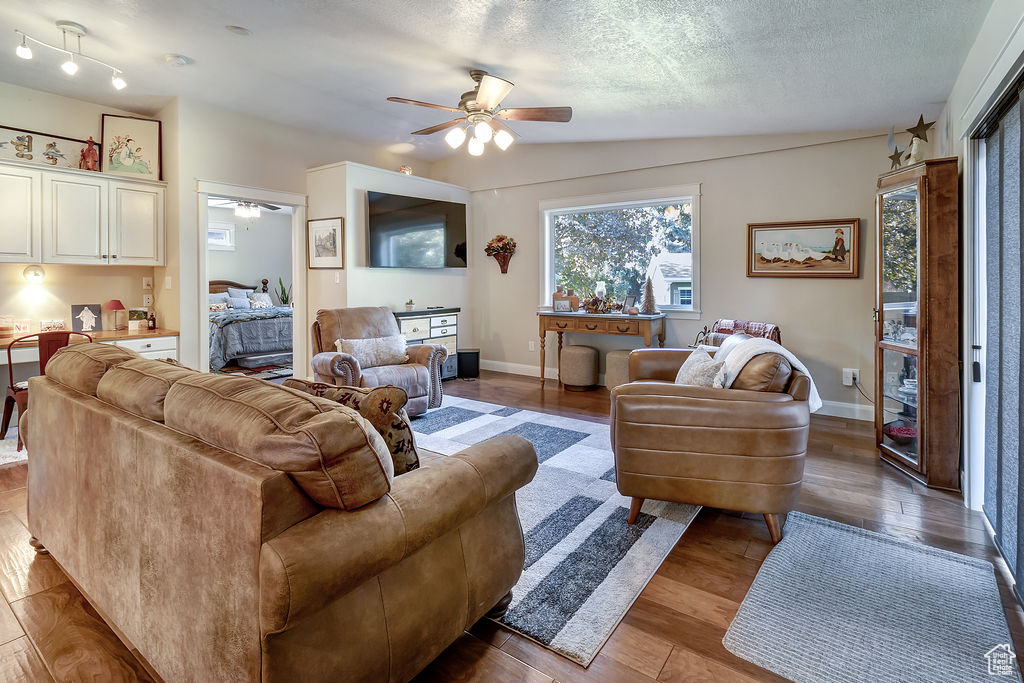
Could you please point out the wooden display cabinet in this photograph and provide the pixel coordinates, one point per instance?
(917, 322)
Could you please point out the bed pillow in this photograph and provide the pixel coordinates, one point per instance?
(239, 302)
(219, 298)
(260, 300)
(235, 292)
(376, 351)
(219, 306)
(698, 370)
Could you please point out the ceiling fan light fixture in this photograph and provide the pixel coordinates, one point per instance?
(483, 132)
(503, 139)
(23, 50)
(455, 137)
(476, 147)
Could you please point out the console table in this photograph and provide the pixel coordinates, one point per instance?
(618, 324)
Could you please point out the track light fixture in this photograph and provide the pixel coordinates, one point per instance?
(73, 56)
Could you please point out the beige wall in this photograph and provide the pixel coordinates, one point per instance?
(827, 323)
(263, 249)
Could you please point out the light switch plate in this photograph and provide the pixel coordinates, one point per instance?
(147, 299)
(167, 282)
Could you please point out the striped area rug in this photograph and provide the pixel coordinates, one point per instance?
(584, 565)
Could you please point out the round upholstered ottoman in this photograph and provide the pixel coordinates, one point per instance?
(616, 368)
(579, 368)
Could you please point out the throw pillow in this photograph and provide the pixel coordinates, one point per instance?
(699, 370)
(223, 306)
(235, 292)
(239, 302)
(261, 304)
(219, 298)
(383, 407)
(261, 298)
(376, 351)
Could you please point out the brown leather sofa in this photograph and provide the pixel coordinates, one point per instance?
(420, 377)
(235, 530)
(741, 448)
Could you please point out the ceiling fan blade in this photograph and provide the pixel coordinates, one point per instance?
(491, 91)
(402, 100)
(556, 114)
(270, 207)
(440, 126)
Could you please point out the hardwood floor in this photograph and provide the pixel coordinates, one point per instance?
(672, 633)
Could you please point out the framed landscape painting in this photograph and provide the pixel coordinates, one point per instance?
(18, 144)
(828, 248)
(326, 246)
(131, 146)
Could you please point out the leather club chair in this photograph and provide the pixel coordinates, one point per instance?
(420, 376)
(740, 449)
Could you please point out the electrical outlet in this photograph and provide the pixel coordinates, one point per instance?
(147, 283)
(533, 346)
(851, 376)
(147, 299)
(856, 376)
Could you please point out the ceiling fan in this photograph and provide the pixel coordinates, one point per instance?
(243, 209)
(480, 111)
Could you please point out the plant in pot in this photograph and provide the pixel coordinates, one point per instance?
(501, 247)
(284, 294)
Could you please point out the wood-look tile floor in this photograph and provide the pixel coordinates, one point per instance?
(672, 633)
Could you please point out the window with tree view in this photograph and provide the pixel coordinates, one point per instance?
(618, 248)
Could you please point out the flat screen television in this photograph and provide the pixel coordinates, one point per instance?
(411, 232)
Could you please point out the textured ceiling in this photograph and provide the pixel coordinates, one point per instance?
(629, 69)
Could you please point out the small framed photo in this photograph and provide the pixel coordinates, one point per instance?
(628, 302)
(326, 243)
(131, 146)
(86, 318)
(51, 325)
(561, 306)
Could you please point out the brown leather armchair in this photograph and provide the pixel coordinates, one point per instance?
(420, 376)
(739, 449)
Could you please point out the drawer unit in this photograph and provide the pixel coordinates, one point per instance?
(430, 327)
(151, 347)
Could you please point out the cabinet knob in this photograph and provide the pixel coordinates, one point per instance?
(103, 256)
(148, 345)
(114, 256)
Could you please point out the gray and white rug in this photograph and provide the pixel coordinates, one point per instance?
(9, 448)
(584, 565)
(836, 603)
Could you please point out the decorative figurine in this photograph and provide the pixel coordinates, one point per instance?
(89, 159)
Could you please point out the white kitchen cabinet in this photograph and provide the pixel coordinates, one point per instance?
(79, 217)
(21, 218)
(136, 226)
(74, 219)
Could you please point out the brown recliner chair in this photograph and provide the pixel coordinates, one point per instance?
(740, 449)
(420, 376)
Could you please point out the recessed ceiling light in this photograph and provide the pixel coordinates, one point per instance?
(173, 59)
(239, 30)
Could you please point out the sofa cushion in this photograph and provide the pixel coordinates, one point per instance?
(764, 372)
(376, 351)
(330, 451)
(140, 385)
(82, 366)
(415, 379)
(382, 406)
(699, 369)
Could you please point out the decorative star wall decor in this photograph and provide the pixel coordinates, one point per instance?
(921, 129)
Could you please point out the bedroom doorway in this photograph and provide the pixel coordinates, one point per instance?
(252, 282)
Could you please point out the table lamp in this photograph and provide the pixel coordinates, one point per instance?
(115, 305)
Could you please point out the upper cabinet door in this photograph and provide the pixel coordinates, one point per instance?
(136, 224)
(20, 219)
(75, 220)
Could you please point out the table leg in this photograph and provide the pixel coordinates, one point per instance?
(542, 338)
(661, 338)
(560, 359)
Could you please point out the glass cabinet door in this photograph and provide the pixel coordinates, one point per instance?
(898, 285)
(899, 404)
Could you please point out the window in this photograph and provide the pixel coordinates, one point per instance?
(616, 242)
(220, 236)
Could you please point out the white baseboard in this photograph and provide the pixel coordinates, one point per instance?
(851, 411)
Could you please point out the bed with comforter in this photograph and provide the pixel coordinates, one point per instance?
(238, 332)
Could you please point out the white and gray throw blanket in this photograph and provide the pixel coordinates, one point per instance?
(736, 359)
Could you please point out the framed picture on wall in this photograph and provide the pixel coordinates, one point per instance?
(326, 243)
(55, 151)
(825, 248)
(131, 146)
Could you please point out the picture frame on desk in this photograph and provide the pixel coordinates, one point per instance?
(325, 243)
(561, 306)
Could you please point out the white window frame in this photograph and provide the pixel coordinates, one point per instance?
(619, 200)
(227, 229)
